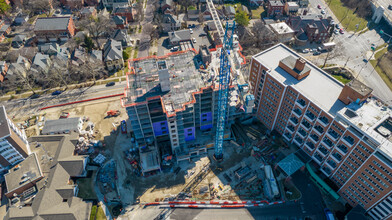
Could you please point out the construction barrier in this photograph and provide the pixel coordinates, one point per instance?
(80, 101)
(248, 203)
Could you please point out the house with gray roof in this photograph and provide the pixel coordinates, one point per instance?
(229, 11)
(41, 63)
(111, 4)
(18, 41)
(62, 126)
(20, 67)
(54, 28)
(170, 23)
(49, 48)
(113, 55)
(96, 56)
(166, 4)
(176, 37)
(122, 36)
(55, 195)
(79, 56)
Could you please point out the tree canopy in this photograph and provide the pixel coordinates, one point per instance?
(241, 18)
(4, 7)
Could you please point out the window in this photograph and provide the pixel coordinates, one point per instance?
(323, 150)
(327, 142)
(306, 124)
(314, 137)
(301, 102)
(291, 128)
(319, 129)
(310, 115)
(294, 120)
(349, 139)
(342, 147)
(337, 156)
(310, 145)
(298, 111)
(332, 163)
(333, 133)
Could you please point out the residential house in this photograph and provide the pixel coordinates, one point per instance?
(14, 145)
(72, 4)
(79, 56)
(50, 49)
(20, 67)
(193, 14)
(256, 2)
(63, 54)
(21, 19)
(55, 195)
(282, 31)
(92, 2)
(5, 29)
(18, 41)
(211, 26)
(112, 4)
(206, 14)
(54, 29)
(87, 12)
(170, 23)
(125, 11)
(170, 11)
(245, 9)
(229, 11)
(291, 8)
(166, 4)
(113, 55)
(176, 37)
(96, 55)
(311, 28)
(122, 36)
(41, 63)
(275, 8)
(121, 22)
(3, 70)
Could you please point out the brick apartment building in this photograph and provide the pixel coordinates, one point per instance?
(345, 130)
(13, 142)
(54, 29)
(315, 28)
(275, 8)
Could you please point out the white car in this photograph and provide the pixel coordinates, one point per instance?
(190, 29)
(194, 40)
(322, 11)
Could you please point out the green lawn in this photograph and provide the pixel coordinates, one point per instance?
(380, 71)
(135, 52)
(86, 189)
(98, 215)
(192, 7)
(257, 13)
(346, 16)
(341, 79)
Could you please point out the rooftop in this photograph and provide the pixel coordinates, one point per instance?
(51, 23)
(281, 28)
(318, 86)
(61, 125)
(4, 127)
(185, 78)
(374, 119)
(21, 174)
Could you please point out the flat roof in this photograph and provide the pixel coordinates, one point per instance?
(185, 79)
(281, 28)
(374, 119)
(4, 127)
(318, 86)
(60, 125)
(21, 174)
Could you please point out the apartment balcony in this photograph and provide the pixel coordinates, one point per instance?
(298, 141)
(323, 150)
(305, 124)
(297, 112)
(302, 133)
(326, 171)
(294, 120)
(301, 103)
(337, 157)
(342, 148)
(310, 145)
(323, 121)
(314, 138)
(348, 141)
(310, 116)
(331, 164)
(333, 135)
(287, 136)
(318, 129)
(328, 143)
(290, 128)
(317, 158)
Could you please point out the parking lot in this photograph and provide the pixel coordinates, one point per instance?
(198, 33)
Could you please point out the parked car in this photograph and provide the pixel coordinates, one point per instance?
(305, 51)
(202, 34)
(390, 7)
(341, 31)
(319, 6)
(336, 31)
(110, 84)
(57, 92)
(174, 49)
(337, 26)
(365, 60)
(194, 40)
(316, 53)
(34, 96)
(190, 29)
(123, 127)
(322, 11)
(64, 115)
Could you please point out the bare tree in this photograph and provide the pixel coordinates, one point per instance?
(201, 18)
(57, 72)
(263, 36)
(41, 6)
(97, 27)
(151, 31)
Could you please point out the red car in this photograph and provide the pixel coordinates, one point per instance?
(341, 31)
(319, 6)
(64, 115)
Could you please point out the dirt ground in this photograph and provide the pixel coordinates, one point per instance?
(95, 111)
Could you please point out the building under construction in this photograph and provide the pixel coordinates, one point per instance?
(171, 102)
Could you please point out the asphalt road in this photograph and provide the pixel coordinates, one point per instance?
(144, 44)
(29, 106)
(355, 48)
